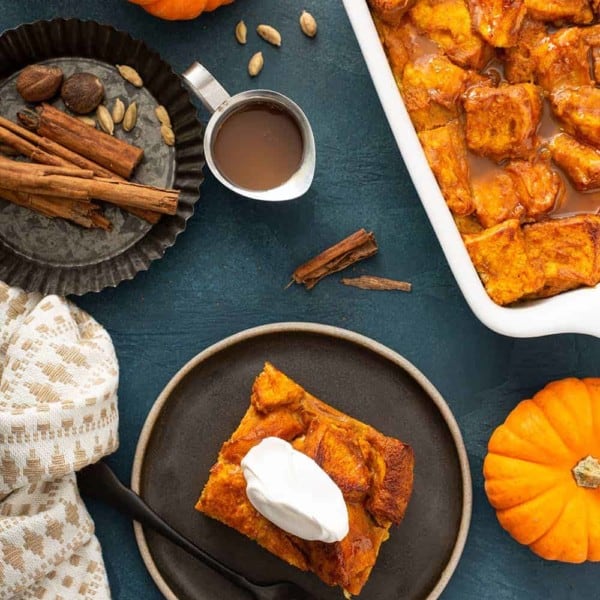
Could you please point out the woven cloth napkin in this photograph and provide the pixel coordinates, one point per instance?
(58, 413)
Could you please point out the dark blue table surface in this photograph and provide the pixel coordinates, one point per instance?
(227, 272)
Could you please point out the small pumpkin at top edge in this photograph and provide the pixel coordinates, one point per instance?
(542, 471)
(179, 10)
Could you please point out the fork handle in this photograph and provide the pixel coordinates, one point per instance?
(98, 481)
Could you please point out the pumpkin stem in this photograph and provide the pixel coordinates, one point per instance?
(587, 472)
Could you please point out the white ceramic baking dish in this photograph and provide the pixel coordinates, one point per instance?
(576, 311)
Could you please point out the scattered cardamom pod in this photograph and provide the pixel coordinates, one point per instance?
(256, 64)
(130, 74)
(162, 115)
(269, 34)
(130, 118)
(87, 120)
(105, 120)
(308, 24)
(241, 32)
(168, 135)
(118, 111)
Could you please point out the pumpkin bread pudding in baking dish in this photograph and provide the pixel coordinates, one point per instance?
(374, 473)
(504, 96)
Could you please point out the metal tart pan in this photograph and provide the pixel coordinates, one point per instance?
(53, 256)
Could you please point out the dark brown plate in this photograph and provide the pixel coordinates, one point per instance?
(203, 404)
(52, 255)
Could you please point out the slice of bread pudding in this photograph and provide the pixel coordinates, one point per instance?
(374, 473)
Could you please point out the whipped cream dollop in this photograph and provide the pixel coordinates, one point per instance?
(293, 492)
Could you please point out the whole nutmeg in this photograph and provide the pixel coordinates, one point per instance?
(37, 83)
(82, 93)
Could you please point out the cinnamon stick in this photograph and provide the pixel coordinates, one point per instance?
(371, 282)
(50, 147)
(86, 214)
(47, 152)
(80, 185)
(358, 246)
(28, 149)
(114, 154)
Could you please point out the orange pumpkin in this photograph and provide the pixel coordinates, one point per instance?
(542, 471)
(178, 10)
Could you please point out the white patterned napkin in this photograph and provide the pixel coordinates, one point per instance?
(58, 413)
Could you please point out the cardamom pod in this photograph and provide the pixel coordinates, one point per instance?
(130, 74)
(105, 120)
(308, 24)
(269, 34)
(87, 120)
(118, 111)
(130, 118)
(162, 115)
(168, 135)
(241, 32)
(256, 64)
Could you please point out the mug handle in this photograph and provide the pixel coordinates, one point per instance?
(210, 92)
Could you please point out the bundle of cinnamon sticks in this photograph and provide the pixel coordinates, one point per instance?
(73, 163)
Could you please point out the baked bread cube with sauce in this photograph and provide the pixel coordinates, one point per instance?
(566, 250)
(562, 60)
(579, 161)
(448, 23)
(498, 21)
(499, 254)
(446, 152)
(521, 190)
(575, 11)
(539, 187)
(579, 111)
(431, 86)
(518, 64)
(496, 198)
(373, 471)
(390, 11)
(468, 224)
(399, 43)
(501, 122)
(591, 39)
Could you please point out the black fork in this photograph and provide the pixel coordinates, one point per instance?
(98, 481)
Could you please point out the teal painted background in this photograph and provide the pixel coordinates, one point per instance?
(227, 272)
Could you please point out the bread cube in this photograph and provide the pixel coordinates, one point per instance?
(431, 86)
(446, 153)
(399, 44)
(539, 187)
(498, 21)
(561, 60)
(566, 250)
(448, 23)
(518, 64)
(579, 161)
(501, 122)
(576, 11)
(500, 257)
(496, 199)
(390, 11)
(579, 111)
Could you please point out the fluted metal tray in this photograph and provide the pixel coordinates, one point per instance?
(52, 255)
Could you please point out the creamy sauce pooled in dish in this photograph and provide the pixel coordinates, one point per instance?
(292, 491)
(258, 147)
